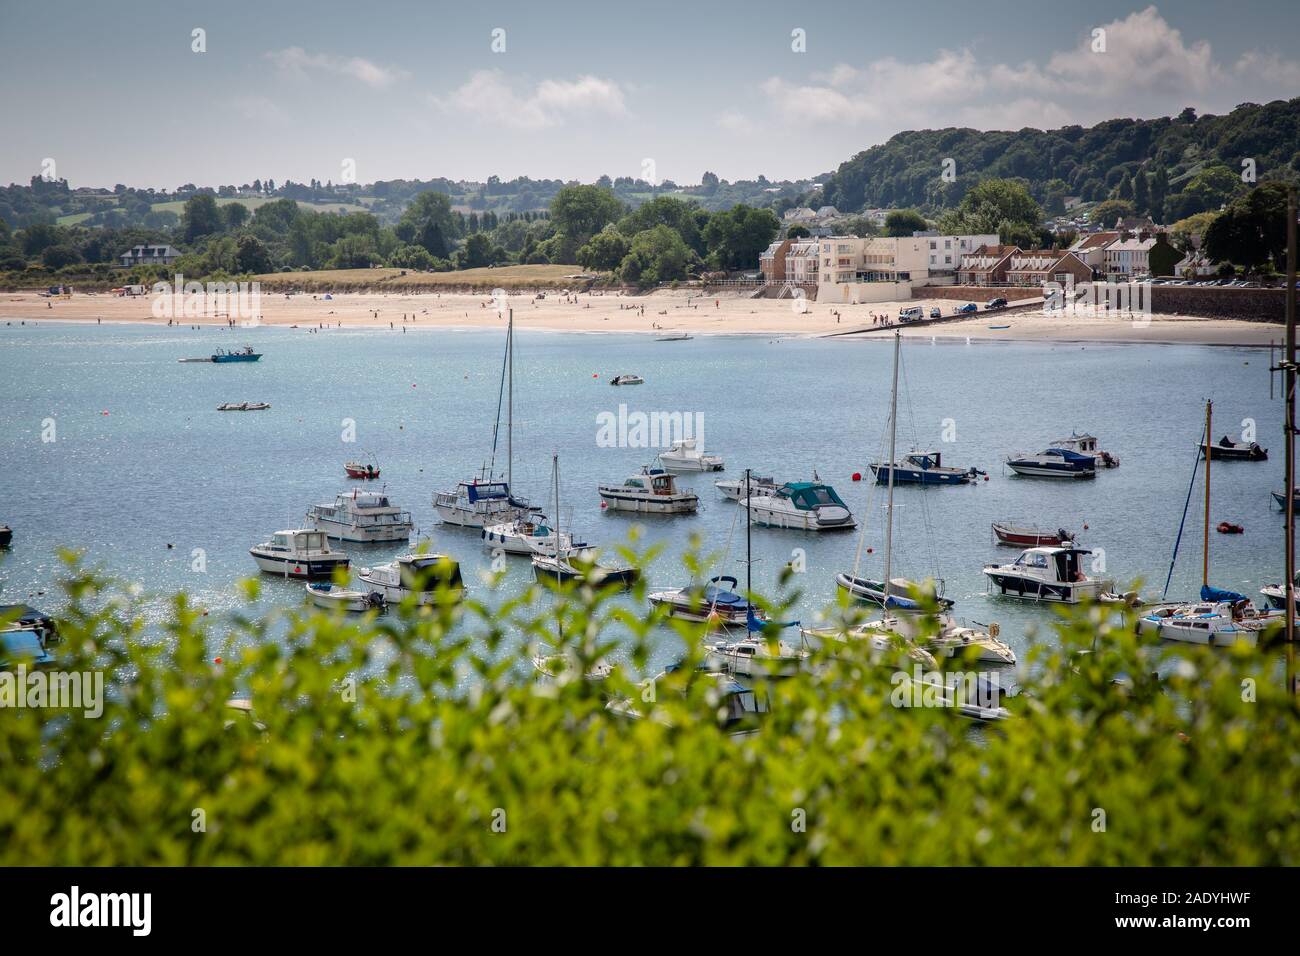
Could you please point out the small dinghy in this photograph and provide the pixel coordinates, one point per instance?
(627, 380)
(1022, 536)
(243, 406)
(327, 596)
(1225, 449)
(361, 470)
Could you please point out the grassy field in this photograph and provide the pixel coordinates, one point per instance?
(358, 280)
(178, 205)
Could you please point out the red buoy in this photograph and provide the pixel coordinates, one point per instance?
(857, 476)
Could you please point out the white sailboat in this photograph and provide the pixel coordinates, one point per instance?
(575, 563)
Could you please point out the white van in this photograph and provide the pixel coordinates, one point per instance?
(910, 315)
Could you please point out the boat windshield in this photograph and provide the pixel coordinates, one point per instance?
(1032, 559)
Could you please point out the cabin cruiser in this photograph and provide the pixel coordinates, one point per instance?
(298, 553)
(1054, 463)
(1046, 574)
(923, 468)
(479, 503)
(364, 516)
(1225, 449)
(581, 566)
(755, 656)
(733, 489)
(527, 536)
(1087, 445)
(686, 455)
(942, 636)
(802, 505)
(653, 491)
(1275, 594)
(1023, 536)
(627, 380)
(327, 596)
(716, 603)
(422, 576)
(900, 592)
(1219, 618)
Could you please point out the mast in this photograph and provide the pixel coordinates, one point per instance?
(1289, 588)
(510, 403)
(889, 507)
(749, 557)
(1205, 546)
(555, 472)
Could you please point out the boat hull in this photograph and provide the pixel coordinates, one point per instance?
(649, 504)
(223, 359)
(344, 531)
(1220, 453)
(1013, 585)
(872, 592)
(919, 476)
(355, 602)
(290, 567)
(1042, 470)
(1187, 632)
(469, 518)
(796, 520)
(1028, 538)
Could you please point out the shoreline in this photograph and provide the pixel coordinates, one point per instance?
(654, 315)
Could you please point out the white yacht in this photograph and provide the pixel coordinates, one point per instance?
(479, 503)
(421, 576)
(1086, 444)
(527, 536)
(1046, 574)
(687, 455)
(802, 505)
(653, 491)
(733, 489)
(629, 379)
(754, 656)
(298, 553)
(364, 516)
(1054, 463)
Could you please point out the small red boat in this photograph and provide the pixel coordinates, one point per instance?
(356, 469)
(1227, 527)
(1023, 537)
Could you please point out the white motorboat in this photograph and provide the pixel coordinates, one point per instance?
(755, 656)
(801, 505)
(528, 536)
(871, 591)
(687, 455)
(479, 503)
(1086, 444)
(419, 576)
(327, 596)
(885, 648)
(1275, 594)
(574, 563)
(298, 553)
(1223, 618)
(738, 707)
(363, 516)
(627, 380)
(1054, 463)
(564, 667)
(943, 636)
(1046, 574)
(716, 603)
(653, 491)
(733, 489)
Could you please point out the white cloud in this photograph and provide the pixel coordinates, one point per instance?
(1147, 69)
(296, 61)
(490, 96)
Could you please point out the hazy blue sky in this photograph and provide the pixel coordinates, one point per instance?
(113, 92)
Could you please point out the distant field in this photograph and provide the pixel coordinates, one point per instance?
(75, 218)
(357, 280)
(178, 205)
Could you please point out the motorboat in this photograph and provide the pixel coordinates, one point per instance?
(1278, 496)
(364, 516)
(243, 406)
(627, 380)
(923, 468)
(327, 596)
(1225, 449)
(944, 637)
(900, 592)
(653, 491)
(801, 505)
(755, 656)
(24, 616)
(680, 337)
(420, 576)
(716, 603)
(1024, 536)
(22, 646)
(687, 455)
(885, 647)
(1086, 444)
(1046, 574)
(733, 489)
(298, 553)
(479, 503)
(6, 536)
(1220, 618)
(562, 667)
(582, 567)
(1275, 594)
(528, 536)
(244, 355)
(1054, 463)
(361, 470)
(738, 707)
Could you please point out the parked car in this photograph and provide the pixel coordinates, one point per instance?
(968, 307)
(936, 313)
(998, 303)
(910, 314)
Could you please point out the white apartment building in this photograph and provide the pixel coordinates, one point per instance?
(853, 270)
(1128, 257)
(945, 252)
(801, 262)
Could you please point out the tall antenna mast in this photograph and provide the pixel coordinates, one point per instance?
(889, 507)
(1205, 546)
(510, 402)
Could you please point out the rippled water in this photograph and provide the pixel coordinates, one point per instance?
(141, 459)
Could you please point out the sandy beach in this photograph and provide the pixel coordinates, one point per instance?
(658, 313)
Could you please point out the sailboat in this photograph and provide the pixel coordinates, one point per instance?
(1220, 617)
(574, 563)
(944, 635)
(755, 655)
(487, 500)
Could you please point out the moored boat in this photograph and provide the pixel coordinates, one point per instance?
(923, 468)
(653, 491)
(802, 506)
(528, 536)
(361, 470)
(688, 455)
(1023, 536)
(627, 380)
(1226, 449)
(1086, 444)
(298, 553)
(479, 503)
(364, 516)
(1275, 594)
(6, 536)
(1054, 463)
(716, 603)
(733, 489)
(1220, 618)
(330, 598)
(243, 406)
(1280, 498)
(1046, 574)
(420, 576)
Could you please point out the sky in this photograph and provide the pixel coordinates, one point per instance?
(129, 93)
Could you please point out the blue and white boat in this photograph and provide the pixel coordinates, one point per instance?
(801, 505)
(923, 468)
(246, 355)
(717, 603)
(1054, 463)
(298, 553)
(1220, 618)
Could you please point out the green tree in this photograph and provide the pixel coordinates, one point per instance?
(904, 222)
(1185, 232)
(234, 215)
(605, 251)
(1107, 213)
(735, 238)
(411, 257)
(988, 204)
(354, 252)
(57, 257)
(251, 255)
(579, 212)
(1206, 191)
(200, 218)
(654, 256)
(1252, 230)
(1141, 193)
(477, 252)
(801, 232)
(428, 222)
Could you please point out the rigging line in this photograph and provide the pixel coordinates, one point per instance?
(872, 487)
(501, 391)
(1205, 438)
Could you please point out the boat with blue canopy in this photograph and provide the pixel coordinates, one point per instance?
(924, 468)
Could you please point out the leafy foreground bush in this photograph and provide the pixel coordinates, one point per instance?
(454, 751)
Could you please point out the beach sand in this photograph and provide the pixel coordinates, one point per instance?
(658, 313)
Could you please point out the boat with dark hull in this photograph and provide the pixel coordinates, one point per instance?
(1046, 574)
(246, 354)
(1023, 536)
(1225, 449)
(924, 468)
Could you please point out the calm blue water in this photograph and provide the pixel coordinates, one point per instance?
(142, 459)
